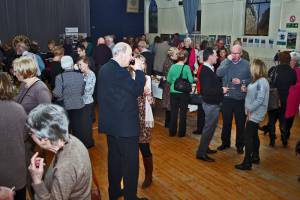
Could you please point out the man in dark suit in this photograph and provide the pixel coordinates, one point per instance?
(212, 93)
(118, 118)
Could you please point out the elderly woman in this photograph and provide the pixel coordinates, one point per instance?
(69, 90)
(32, 90)
(293, 99)
(69, 176)
(191, 59)
(12, 148)
(170, 60)
(88, 110)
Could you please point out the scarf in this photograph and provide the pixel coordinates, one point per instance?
(149, 120)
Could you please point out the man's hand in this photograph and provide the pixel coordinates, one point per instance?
(229, 57)
(225, 90)
(6, 193)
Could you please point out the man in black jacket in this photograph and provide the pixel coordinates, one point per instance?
(212, 93)
(118, 118)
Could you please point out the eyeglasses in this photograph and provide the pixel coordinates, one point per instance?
(236, 53)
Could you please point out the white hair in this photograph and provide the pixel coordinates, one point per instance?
(49, 121)
(295, 55)
(188, 39)
(120, 48)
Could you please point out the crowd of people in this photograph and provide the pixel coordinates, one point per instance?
(48, 102)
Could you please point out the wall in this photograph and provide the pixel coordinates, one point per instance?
(227, 17)
(110, 17)
(42, 20)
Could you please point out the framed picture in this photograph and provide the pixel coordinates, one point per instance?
(132, 6)
(257, 16)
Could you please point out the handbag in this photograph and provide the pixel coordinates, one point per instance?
(195, 99)
(182, 84)
(60, 102)
(274, 99)
(162, 83)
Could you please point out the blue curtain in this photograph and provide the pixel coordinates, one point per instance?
(190, 12)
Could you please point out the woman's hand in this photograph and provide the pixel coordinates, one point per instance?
(6, 193)
(36, 168)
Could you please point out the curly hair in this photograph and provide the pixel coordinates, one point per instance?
(21, 39)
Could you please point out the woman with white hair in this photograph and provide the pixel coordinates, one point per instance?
(191, 53)
(69, 176)
(293, 99)
(69, 90)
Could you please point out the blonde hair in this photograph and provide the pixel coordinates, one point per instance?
(58, 51)
(172, 51)
(25, 67)
(21, 39)
(142, 44)
(258, 69)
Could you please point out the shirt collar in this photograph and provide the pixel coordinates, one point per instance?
(209, 65)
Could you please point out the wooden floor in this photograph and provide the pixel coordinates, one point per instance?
(179, 175)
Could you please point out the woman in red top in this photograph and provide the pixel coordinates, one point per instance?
(293, 99)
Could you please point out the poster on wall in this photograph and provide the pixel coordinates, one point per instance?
(245, 42)
(228, 40)
(132, 6)
(271, 43)
(256, 42)
(250, 42)
(263, 43)
(291, 40)
(211, 40)
(281, 40)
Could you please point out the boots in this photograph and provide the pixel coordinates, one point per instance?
(148, 164)
(272, 137)
(167, 118)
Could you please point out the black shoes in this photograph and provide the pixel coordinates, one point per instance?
(243, 166)
(142, 198)
(211, 151)
(284, 140)
(223, 147)
(272, 141)
(255, 161)
(205, 158)
(197, 132)
(240, 150)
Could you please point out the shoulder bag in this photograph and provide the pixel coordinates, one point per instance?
(274, 100)
(182, 84)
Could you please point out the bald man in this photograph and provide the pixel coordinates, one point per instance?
(118, 118)
(235, 73)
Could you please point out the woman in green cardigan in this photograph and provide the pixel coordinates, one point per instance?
(179, 100)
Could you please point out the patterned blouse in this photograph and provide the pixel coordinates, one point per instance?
(90, 81)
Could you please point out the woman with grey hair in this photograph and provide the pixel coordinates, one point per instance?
(293, 99)
(69, 91)
(69, 176)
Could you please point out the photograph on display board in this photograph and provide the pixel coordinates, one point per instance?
(245, 42)
(291, 40)
(263, 43)
(256, 42)
(250, 42)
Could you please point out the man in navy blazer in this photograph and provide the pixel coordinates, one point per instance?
(118, 118)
